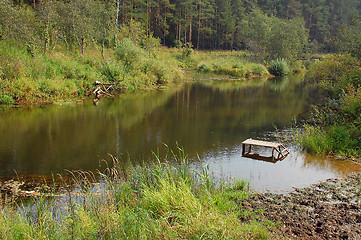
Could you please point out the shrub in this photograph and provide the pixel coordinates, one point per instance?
(111, 72)
(298, 66)
(259, 70)
(160, 71)
(203, 68)
(128, 52)
(187, 50)
(177, 44)
(5, 99)
(48, 87)
(353, 78)
(331, 68)
(279, 67)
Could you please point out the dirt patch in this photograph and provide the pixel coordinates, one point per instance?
(327, 210)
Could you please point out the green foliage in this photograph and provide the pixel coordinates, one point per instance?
(349, 38)
(231, 66)
(330, 69)
(281, 31)
(187, 50)
(338, 118)
(271, 37)
(111, 72)
(128, 52)
(157, 69)
(278, 67)
(5, 99)
(298, 66)
(178, 44)
(152, 67)
(289, 39)
(42, 79)
(341, 138)
(16, 22)
(259, 70)
(336, 139)
(159, 201)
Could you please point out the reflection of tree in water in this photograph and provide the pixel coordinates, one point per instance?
(229, 85)
(73, 137)
(218, 114)
(278, 84)
(201, 117)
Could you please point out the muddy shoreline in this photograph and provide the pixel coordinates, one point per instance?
(326, 210)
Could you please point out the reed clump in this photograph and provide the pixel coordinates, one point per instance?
(159, 201)
(279, 67)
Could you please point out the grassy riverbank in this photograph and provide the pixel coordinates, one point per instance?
(33, 78)
(30, 79)
(334, 127)
(160, 201)
(171, 201)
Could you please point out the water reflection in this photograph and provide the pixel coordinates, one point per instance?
(297, 170)
(209, 119)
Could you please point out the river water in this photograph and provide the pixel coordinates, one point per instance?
(208, 119)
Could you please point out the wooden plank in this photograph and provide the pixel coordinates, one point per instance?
(285, 150)
(251, 141)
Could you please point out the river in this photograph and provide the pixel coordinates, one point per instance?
(208, 119)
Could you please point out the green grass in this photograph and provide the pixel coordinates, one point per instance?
(336, 129)
(29, 79)
(230, 65)
(342, 140)
(63, 75)
(160, 201)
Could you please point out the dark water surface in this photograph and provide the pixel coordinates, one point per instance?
(208, 119)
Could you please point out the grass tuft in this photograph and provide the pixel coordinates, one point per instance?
(159, 201)
(279, 67)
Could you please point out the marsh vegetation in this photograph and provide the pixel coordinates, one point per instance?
(52, 51)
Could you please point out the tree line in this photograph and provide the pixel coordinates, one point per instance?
(280, 28)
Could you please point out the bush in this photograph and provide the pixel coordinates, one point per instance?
(298, 66)
(111, 72)
(279, 67)
(338, 118)
(203, 68)
(231, 66)
(353, 78)
(5, 99)
(331, 68)
(187, 50)
(259, 70)
(128, 52)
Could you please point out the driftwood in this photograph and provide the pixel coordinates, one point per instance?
(102, 89)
